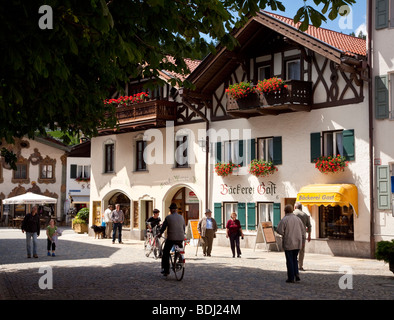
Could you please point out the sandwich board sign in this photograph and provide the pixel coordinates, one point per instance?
(192, 232)
(265, 233)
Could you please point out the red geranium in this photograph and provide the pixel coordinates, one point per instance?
(270, 85)
(124, 100)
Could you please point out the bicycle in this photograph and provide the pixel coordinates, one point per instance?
(177, 260)
(152, 243)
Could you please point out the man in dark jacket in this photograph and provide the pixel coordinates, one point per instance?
(31, 224)
(175, 225)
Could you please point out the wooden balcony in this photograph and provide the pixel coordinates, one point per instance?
(142, 116)
(297, 96)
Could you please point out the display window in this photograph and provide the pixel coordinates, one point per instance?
(336, 223)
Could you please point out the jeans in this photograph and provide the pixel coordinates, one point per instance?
(117, 226)
(291, 264)
(29, 236)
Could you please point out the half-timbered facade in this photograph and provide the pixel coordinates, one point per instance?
(166, 149)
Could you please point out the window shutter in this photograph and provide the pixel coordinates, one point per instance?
(251, 216)
(73, 171)
(381, 14)
(217, 214)
(381, 97)
(277, 142)
(348, 144)
(315, 146)
(276, 214)
(252, 148)
(218, 152)
(241, 152)
(242, 214)
(383, 186)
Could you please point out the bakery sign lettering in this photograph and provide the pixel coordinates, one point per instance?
(262, 189)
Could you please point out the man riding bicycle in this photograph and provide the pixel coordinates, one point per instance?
(175, 225)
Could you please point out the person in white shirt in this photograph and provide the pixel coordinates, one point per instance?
(108, 221)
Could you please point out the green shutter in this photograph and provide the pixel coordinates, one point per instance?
(241, 152)
(252, 150)
(277, 142)
(381, 97)
(276, 214)
(217, 214)
(218, 152)
(251, 216)
(348, 144)
(383, 187)
(73, 171)
(382, 14)
(315, 146)
(242, 214)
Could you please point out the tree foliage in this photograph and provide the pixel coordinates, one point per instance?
(58, 78)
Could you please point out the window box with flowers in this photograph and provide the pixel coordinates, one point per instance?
(274, 90)
(331, 164)
(128, 100)
(82, 179)
(224, 169)
(261, 168)
(244, 94)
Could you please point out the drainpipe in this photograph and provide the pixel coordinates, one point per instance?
(371, 141)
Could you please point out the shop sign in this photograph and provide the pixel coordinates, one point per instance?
(177, 179)
(316, 197)
(262, 189)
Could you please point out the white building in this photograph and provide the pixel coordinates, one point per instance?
(381, 23)
(325, 114)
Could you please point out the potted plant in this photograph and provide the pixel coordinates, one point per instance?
(272, 89)
(224, 169)
(80, 222)
(385, 252)
(127, 100)
(245, 95)
(331, 164)
(261, 168)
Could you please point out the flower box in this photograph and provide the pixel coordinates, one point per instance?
(261, 168)
(331, 164)
(250, 101)
(224, 169)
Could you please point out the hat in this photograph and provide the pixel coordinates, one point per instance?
(208, 210)
(173, 206)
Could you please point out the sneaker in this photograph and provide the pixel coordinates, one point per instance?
(48, 254)
(35, 256)
(53, 254)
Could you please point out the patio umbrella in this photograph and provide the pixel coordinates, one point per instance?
(30, 198)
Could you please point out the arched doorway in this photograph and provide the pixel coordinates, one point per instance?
(188, 203)
(124, 202)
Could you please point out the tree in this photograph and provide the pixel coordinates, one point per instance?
(60, 58)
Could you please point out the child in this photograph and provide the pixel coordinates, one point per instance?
(51, 237)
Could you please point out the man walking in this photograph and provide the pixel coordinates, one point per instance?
(117, 218)
(292, 231)
(175, 225)
(207, 228)
(31, 224)
(307, 225)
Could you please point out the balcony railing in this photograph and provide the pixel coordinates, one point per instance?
(140, 116)
(297, 96)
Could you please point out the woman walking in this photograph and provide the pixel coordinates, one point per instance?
(234, 231)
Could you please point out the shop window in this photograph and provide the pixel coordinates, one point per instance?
(336, 223)
(140, 161)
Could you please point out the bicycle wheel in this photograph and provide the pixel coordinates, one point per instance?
(148, 245)
(157, 248)
(178, 265)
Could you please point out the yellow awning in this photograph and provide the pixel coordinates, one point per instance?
(329, 195)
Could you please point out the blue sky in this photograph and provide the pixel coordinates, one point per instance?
(355, 22)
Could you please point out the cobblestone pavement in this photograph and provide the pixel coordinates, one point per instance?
(88, 268)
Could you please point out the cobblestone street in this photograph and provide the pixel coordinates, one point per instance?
(95, 269)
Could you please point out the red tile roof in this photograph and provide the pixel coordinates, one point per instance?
(347, 44)
(191, 64)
